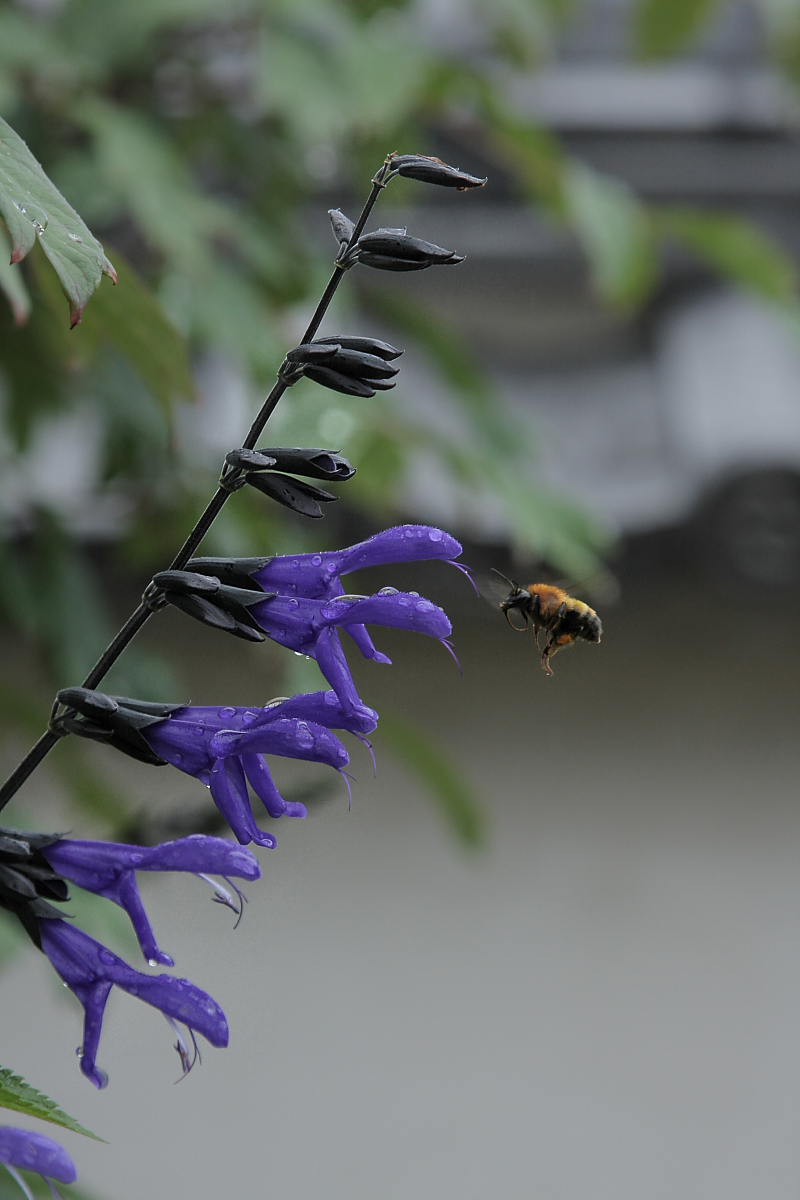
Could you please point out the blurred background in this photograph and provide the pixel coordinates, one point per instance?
(553, 948)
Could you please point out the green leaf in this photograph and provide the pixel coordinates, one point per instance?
(615, 230)
(446, 786)
(18, 1095)
(735, 247)
(12, 283)
(663, 27)
(33, 208)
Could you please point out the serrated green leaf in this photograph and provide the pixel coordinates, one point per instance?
(663, 27)
(33, 209)
(12, 283)
(615, 230)
(736, 247)
(441, 778)
(19, 1096)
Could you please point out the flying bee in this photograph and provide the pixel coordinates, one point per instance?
(549, 608)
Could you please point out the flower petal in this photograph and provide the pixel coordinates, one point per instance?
(229, 790)
(34, 1152)
(263, 785)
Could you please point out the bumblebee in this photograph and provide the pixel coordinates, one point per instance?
(549, 608)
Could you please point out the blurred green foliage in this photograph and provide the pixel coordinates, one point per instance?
(192, 136)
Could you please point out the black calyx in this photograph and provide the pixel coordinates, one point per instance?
(27, 881)
(236, 572)
(395, 250)
(264, 470)
(115, 720)
(356, 366)
(432, 170)
(343, 228)
(207, 599)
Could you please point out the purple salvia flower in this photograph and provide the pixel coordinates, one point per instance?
(318, 576)
(311, 627)
(224, 747)
(19, 1148)
(90, 971)
(109, 869)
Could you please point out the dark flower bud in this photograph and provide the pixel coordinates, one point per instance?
(250, 460)
(301, 497)
(343, 227)
(338, 382)
(316, 464)
(432, 170)
(311, 352)
(236, 572)
(115, 720)
(214, 603)
(366, 344)
(27, 881)
(363, 366)
(395, 250)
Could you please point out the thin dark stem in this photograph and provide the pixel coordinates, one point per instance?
(139, 617)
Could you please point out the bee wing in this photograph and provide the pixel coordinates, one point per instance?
(493, 588)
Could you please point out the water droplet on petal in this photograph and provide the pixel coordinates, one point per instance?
(330, 611)
(249, 717)
(177, 758)
(388, 591)
(137, 858)
(305, 737)
(152, 962)
(404, 600)
(317, 559)
(299, 654)
(79, 1051)
(74, 237)
(331, 697)
(425, 606)
(413, 593)
(410, 532)
(330, 568)
(295, 562)
(435, 535)
(342, 752)
(227, 712)
(199, 731)
(293, 603)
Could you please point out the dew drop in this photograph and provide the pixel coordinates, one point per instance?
(330, 611)
(317, 559)
(106, 957)
(409, 532)
(342, 752)
(79, 1051)
(413, 593)
(227, 712)
(435, 535)
(299, 654)
(331, 568)
(404, 600)
(73, 237)
(64, 983)
(178, 758)
(331, 697)
(152, 962)
(282, 632)
(292, 603)
(199, 731)
(425, 606)
(137, 858)
(388, 591)
(249, 717)
(295, 562)
(305, 737)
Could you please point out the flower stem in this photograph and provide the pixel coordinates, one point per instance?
(141, 614)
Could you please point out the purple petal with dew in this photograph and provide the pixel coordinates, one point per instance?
(403, 543)
(365, 644)
(264, 787)
(90, 970)
(35, 1152)
(317, 575)
(402, 610)
(333, 664)
(287, 738)
(229, 792)
(324, 708)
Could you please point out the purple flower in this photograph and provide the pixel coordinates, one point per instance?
(224, 748)
(90, 971)
(318, 576)
(34, 1152)
(109, 870)
(311, 627)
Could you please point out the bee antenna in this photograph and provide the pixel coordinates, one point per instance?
(512, 582)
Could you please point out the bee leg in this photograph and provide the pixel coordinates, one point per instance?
(548, 650)
(536, 628)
